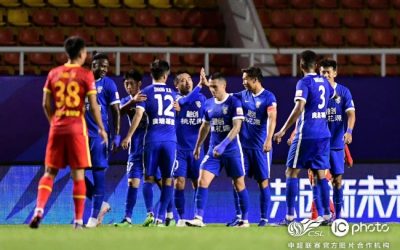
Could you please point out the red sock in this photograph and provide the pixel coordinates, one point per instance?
(44, 191)
(79, 194)
(314, 211)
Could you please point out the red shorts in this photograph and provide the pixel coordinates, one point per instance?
(67, 149)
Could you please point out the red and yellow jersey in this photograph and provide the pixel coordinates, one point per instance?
(69, 84)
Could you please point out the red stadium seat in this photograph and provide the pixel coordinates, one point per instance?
(120, 17)
(397, 20)
(11, 58)
(208, 38)
(354, 19)
(156, 37)
(93, 17)
(277, 4)
(396, 4)
(175, 60)
(357, 37)
(7, 37)
(380, 19)
(194, 59)
(142, 58)
(40, 58)
(54, 37)
(61, 58)
(29, 36)
(363, 71)
(69, 17)
(326, 4)
(192, 18)
(212, 19)
(124, 59)
(280, 38)
(392, 71)
(342, 60)
(225, 60)
(131, 37)
(106, 37)
(378, 4)
(304, 19)
(389, 59)
(182, 37)
(43, 18)
(283, 59)
(353, 4)
(145, 18)
(171, 18)
(383, 38)
(302, 4)
(306, 38)
(83, 33)
(285, 70)
(281, 19)
(360, 59)
(265, 18)
(329, 19)
(332, 38)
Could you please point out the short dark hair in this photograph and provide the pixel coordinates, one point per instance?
(309, 59)
(99, 56)
(73, 45)
(328, 62)
(217, 76)
(178, 74)
(254, 72)
(133, 74)
(158, 68)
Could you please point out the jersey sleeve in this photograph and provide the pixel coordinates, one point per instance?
(301, 91)
(125, 100)
(271, 103)
(89, 83)
(112, 92)
(348, 101)
(237, 109)
(47, 85)
(190, 97)
(206, 117)
(142, 105)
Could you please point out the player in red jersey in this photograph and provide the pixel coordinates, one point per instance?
(65, 89)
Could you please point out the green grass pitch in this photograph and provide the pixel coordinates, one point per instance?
(60, 237)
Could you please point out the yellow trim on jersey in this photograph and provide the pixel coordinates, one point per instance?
(71, 65)
(47, 90)
(91, 92)
(45, 187)
(79, 197)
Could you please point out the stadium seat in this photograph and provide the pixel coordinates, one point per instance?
(40, 58)
(357, 37)
(329, 19)
(110, 3)
(171, 18)
(29, 36)
(156, 37)
(124, 59)
(383, 38)
(306, 38)
(194, 59)
(277, 4)
(84, 3)
(34, 3)
(396, 4)
(61, 58)
(106, 37)
(7, 70)
(363, 71)
(2, 19)
(135, 3)
(392, 71)
(283, 59)
(280, 38)
(131, 37)
(162, 4)
(354, 19)
(284, 70)
(342, 60)
(326, 4)
(182, 37)
(54, 37)
(281, 19)
(12, 58)
(206, 4)
(265, 18)
(208, 38)
(304, 19)
(397, 20)
(10, 3)
(221, 60)
(43, 18)
(120, 17)
(332, 38)
(83, 33)
(94, 17)
(389, 59)
(352, 4)
(378, 4)
(175, 60)
(18, 17)
(142, 58)
(69, 17)
(184, 3)
(360, 59)
(59, 3)
(212, 19)
(145, 18)
(380, 19)
(7, 37)
(301, 4)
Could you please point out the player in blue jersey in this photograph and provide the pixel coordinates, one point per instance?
(338, 108)
(108, 98)
(188, 121)
(223, 116)
(259, 106)
(310, 146)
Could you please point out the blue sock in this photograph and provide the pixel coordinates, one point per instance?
(265, 200)
(244, 203)
(201, 201)
(324, 194)
(292, 190)
(131, 198)
(180, 202)
(237, 205)
(338, 200)
(170, 206)
(98, 191)
(89, 188)
(148, 196)
(317, 199)
(166, 195)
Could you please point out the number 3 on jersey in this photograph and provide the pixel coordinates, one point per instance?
(322, 104)
(71, 99)
(168, 110)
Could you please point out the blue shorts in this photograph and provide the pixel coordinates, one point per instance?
(234, 164)
(98, 152)
(309, 153)
(159, 155)
(257, 163)
(187, 166)
(336, 161)
(135, 168)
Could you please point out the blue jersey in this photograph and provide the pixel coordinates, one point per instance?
(220, 115)
(316, 92)
(188, 122)
(336, 113)
(254, 130)
(160, 111)
(136, 146)
(107, 94)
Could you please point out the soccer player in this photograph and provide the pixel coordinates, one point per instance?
(337, 109)
(259, 106)
(310, 147)
(66, 88)
(223, 116)
(108, 98)
(188, 121)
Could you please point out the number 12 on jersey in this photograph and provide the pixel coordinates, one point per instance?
(169, 105)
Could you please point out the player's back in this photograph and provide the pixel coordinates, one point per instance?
(69, 84)
(160, 111)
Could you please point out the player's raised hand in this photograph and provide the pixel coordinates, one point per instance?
(177, 107)
(104, 136)
(278, 136)
(139, 97)
(196, 153)
(126, 142)
(267, 146)
(203, 78)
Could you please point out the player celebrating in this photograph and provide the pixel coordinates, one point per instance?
(310, 147)
(224, 116)
(107, 97)
(65, 89)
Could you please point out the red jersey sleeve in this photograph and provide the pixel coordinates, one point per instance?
(89, 83)
(47, 85)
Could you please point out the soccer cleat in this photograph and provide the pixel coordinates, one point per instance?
(285, 222)
(243, 223)
(36, 221)
(92, 222)
(263, 223)
(170, 222)
(105, 208)
(196, 222)
(78, 226)
(123, 223)
(181, 223)
(234, 222)
(149, 220)
(327, 221)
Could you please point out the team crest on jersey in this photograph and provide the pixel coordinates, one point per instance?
(99, 89)
(224, 110)
(338, 99)
(258, 104)
(198, 104)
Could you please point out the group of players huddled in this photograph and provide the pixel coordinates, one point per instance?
(167, 131)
